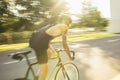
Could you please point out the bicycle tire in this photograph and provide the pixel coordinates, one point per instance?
(69, 71)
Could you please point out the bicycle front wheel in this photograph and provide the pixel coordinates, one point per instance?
(68, 71)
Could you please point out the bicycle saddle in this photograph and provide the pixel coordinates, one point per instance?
(19, 55)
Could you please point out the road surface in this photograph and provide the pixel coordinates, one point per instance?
(97, 59)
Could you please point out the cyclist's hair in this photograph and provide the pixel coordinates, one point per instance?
(63, 18)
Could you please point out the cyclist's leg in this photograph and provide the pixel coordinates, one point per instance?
(43, 64)
(51, 52)
(43, 71)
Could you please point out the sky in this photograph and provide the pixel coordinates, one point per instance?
(102, 5)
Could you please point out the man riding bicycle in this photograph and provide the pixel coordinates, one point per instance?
(40, 43)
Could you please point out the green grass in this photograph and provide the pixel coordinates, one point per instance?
(83, 36)
(71, 37)
(5, 47)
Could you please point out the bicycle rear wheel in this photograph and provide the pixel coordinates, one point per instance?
(69, 71)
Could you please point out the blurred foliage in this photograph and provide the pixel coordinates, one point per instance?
(15, 37)
(19, 15)
(3, 7)
(6, 17)
(91, 17)
(28, 15)
(3, 39)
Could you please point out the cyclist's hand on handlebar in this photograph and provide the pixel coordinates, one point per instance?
(72, 57)
(71, 53)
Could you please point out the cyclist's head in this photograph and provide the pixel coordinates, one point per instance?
(64, 19)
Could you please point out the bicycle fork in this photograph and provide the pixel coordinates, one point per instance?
(65, 74)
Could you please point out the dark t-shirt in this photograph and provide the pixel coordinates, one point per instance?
(40, 39)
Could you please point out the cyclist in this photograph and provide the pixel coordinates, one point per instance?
(40, 43)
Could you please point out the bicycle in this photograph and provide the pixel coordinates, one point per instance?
(63, 71)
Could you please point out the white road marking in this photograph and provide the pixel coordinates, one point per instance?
(113, 40)
(16, 61)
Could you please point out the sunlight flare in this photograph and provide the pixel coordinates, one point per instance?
(74, 6)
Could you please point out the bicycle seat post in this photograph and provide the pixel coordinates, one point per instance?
(30, 67)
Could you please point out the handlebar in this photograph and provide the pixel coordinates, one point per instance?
(71, 51)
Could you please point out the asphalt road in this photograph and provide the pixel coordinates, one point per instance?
(97, 59)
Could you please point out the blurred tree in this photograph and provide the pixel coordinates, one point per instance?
(3, 7)
(91, 17)
(6, 17)
(17, 15)
(39, 11)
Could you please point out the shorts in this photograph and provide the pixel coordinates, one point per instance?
(42, 56)
(40, 45)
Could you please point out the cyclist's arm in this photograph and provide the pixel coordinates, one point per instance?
(65, 45)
